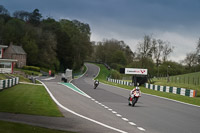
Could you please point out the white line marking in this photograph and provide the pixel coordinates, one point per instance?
(97, 122)
(131, 123)
(125, 119)
(140, 128)
(114, 112)
(118, 115)
(105, 107)
(110, 109)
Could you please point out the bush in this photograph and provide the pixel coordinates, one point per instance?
(32, 68)
(115, 74)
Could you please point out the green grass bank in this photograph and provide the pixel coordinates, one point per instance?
(28, 99)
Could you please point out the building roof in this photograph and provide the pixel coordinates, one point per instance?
(18, 49)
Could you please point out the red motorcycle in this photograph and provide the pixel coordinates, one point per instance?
(133, 98)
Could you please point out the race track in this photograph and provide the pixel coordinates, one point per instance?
(109, 105)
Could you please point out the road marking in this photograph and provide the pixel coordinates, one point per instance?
(74, 88)
(105, 107)
(125, 119)
(110, 109)
(114, 112)
(87, 118)
(140, 128)
(131, 123)
(118, 115)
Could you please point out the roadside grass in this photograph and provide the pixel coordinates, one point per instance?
(11, 127)
(104, 72)
(28, 99)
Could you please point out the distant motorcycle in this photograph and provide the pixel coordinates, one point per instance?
(133, 98)
(96, 83)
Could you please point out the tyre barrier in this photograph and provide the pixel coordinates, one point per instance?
(174, 90)
(7, 83)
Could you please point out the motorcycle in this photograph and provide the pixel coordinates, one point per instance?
(132, 100)
(96, 84)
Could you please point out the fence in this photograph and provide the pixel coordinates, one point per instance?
(8, 83)
(175, 90)
(190, 80)
(120, 82)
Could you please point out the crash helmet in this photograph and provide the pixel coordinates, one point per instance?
(137, 88)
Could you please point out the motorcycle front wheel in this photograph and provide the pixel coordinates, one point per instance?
(134, 101)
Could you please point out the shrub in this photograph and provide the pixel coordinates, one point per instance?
(32, 68)
(115, 74)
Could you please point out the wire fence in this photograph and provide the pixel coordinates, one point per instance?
(192, 80)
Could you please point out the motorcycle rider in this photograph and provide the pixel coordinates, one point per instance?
(137, 88)
(96, 83)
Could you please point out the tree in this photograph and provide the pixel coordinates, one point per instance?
(145, 49)
(23, 15)
(190, 59)
(35, 17)
(167, 50)
(4, 11)
(13, 31)
(158, 49)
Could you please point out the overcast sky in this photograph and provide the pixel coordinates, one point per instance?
(175, 21)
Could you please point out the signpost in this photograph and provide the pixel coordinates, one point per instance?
(136, 71)
(139, 74)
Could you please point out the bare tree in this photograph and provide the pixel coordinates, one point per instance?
(167, 50)
(158, 49)
(191, 59)
(145, 48)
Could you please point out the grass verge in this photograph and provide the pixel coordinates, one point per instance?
(28, 99)
(105, 72)
(11, 127)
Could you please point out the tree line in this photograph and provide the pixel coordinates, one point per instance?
(50, 44)
(150, 53)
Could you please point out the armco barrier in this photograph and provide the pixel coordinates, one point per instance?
(119, 82)
(7, 83)
(175, 90)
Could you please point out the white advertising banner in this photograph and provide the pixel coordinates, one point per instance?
(136, 71)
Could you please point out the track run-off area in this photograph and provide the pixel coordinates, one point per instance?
(105, 109)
